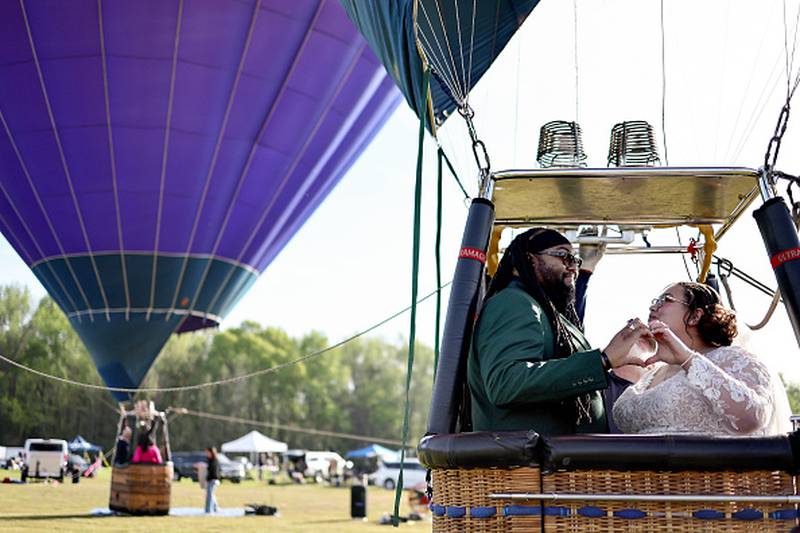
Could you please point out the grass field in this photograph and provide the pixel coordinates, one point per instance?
(302, 508)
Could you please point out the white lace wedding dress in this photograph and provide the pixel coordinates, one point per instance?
(726, 391)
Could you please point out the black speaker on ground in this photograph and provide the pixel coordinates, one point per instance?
(358, 501)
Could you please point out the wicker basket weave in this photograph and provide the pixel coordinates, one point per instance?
(461, 501)
(670, 516)
(468, 489)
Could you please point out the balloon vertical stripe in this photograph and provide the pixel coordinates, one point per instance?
(64, 164)
(156, 155)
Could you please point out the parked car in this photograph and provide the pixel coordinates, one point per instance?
(12, 458)
(318, 465)
(44, 458)
(388, 471)
(184, 466)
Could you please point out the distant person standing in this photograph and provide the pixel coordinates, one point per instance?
(212, 476)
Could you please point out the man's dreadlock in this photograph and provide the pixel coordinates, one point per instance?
(516, 259)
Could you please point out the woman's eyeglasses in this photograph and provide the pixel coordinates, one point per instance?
(567, 257)
(664, 298)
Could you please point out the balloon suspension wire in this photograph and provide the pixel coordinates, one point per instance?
(291, 429)
(455, 73)
(468, 85)
(790, 87)
(575, 50)
(454, 81)
(516, 101)
(732, 149)
(774, 146)
(664, 88)
(442, 63)
(227, 381)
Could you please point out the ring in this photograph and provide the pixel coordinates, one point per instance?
(631, 326)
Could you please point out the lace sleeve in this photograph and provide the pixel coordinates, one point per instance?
(736, 385)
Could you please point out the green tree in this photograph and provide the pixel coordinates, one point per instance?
(358, 388)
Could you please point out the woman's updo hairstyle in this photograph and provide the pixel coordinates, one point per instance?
(717, 325)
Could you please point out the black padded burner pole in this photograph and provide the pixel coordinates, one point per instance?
(451, 369)
(783, 247)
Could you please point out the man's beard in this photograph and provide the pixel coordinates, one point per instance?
(561, 294)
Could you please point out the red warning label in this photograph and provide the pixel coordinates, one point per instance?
(472, 253)
(784, 256)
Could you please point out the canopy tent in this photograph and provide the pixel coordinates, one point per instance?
(81, 445)
(373, 450)
(254, 442)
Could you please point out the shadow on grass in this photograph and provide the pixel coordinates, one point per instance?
(51, 516)
(333, 521)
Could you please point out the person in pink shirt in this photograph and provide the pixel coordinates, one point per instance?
(146, 450)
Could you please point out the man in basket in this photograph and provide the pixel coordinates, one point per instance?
(530, 366)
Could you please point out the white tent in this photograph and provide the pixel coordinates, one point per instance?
(254, 442)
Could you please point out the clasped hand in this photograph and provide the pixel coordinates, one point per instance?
(671, 349)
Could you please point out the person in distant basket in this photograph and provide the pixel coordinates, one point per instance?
(146, 450)
(122, 452)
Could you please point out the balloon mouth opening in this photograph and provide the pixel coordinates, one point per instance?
(194, 323)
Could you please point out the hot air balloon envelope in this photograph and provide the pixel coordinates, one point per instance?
(156, 155)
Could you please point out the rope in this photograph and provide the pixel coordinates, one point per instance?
(728, 291)
(321, 432)
(744, 276)
(516, 101)
(412, 335)
(786, 54)
(759, 107)
(234, 379)
(454, 173)
(770, 311)
(729, 149)
(575, 58)
(664, 91)
(723, 276)
(774, 146)
(438, 253)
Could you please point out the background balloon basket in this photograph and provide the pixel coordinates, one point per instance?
(141, 489)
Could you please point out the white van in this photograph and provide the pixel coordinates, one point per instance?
(318, 465)
(45, 458)
(388, 471)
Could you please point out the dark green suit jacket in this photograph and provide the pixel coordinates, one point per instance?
(515, 380)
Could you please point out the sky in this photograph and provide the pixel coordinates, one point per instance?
(349, 266)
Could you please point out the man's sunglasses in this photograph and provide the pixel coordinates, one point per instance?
(567, 257)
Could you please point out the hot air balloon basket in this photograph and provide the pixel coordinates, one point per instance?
(471, 500)
(141, 489)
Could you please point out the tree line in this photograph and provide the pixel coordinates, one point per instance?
(356, 389)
